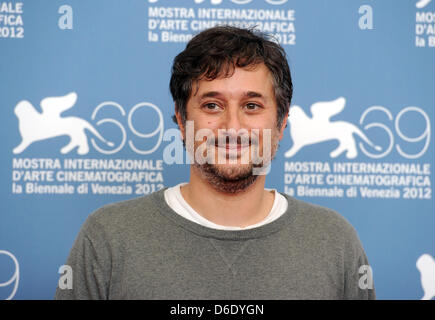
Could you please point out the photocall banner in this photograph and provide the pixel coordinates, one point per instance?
(86, 121)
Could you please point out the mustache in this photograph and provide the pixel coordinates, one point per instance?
(231, 139)
(241, 141)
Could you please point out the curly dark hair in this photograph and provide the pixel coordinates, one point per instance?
(217, 51)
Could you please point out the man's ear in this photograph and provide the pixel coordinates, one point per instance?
(179, 122)
(283, 126)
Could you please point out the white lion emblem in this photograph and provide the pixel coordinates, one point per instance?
(422, 3)
(305, 131)
(35, 126)
(426, 266)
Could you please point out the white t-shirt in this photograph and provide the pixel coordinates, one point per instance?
(176, 202)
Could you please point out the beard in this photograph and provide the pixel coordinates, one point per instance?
(235, 178)
(227, 178)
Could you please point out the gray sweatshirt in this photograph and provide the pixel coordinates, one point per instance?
(142, 249)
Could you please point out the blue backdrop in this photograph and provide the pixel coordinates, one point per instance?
(86, 120)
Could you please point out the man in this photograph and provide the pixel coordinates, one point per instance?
(222, 235)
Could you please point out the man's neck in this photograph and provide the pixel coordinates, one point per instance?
(242, 209)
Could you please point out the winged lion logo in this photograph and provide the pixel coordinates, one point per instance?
(305, 131)
(35, 126)
(426, 266)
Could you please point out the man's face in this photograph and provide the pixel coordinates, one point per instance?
(234, 118)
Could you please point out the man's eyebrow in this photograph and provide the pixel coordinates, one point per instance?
(210, 94)
(253, 94)
(249, 94)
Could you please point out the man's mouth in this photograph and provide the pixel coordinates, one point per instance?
(233, 145)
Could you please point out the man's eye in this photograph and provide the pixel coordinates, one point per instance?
(252, 106)
(211, 106)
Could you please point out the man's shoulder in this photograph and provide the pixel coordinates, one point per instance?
(127, 214)
(319, 219)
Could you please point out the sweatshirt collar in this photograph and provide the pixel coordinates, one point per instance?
(258, 232)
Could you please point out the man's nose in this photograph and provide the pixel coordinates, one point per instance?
(232, 119)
